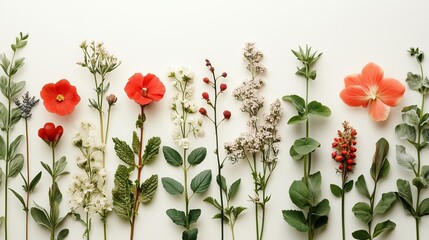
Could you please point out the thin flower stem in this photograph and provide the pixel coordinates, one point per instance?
(53, 190)
(255, 175)
(28, 180)
(344, 178)
(185, 177)
(87, 226)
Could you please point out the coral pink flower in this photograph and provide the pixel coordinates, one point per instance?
(371, 89)
(60, 98)
(144, 89)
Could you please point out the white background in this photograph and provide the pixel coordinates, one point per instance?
(150, 36)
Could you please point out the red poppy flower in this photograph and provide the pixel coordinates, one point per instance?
(60, 98)
(144, 89)
(51, 134)
(370, 88)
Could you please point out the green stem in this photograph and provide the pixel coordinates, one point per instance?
(417, 218)
(28, 180)
(53, 190)
(255, 176)
(87, 226)
(185, 176)
(344, 176)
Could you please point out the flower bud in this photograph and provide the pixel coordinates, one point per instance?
(334, 155)
(111, 99)
(344, 152)
(206, 80)
(224, 74)
(339, 158)
(353, 149)
(223, 87)
(349, 167)
(227, 114)
(205, 95)
(211, 69)
(203, 111)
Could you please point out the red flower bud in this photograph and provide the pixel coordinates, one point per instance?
(353, 142)
(223, 87)
(211, 69)
(339, 158)
(334, 155)
(334, 144)
(349, 167)
(352, 155)
(353, 149)
(206, 80)
(203, 111)
(340, 167)
(227, 114)
(344, 145)
(344, 152)
(205, 95)
(224, 74)
(350, 162)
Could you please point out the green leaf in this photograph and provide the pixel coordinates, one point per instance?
(136, 143)
(172, 156)
(15, 116)
(297, 119)
(122, 193)
(382, 227)
(47, 168)
(41, 217)
(124, 152)
(63, 234)
(24, 206)
(172, 186)
(294, 154)
(299, 194)
(411, 118)
(178, 217)
(385, 168)
(148, 189)
(213, 202)
(236, 211)
(386, 202)
(406, 132)
(15, 88)
(1, 220)
(361, 235)
(34, 182)
(316, 108)
(221, 182)
(14, 145)
(201, 182)
(297, 101)
(305, 146)
(151, 150)
(362, 211)
(4, 62)
(2, 149)
(296, 219)
(424, 208)
(415, 81)
(60, 165)
(194, 214)
(362, 187)
(190, 234)
(405, 195)
(381, 151)
(322, 208)
(404, 159)
(197, 156)
(348, 186)
(336, 190)
(314, 188)
(15, 165)
(234, 188)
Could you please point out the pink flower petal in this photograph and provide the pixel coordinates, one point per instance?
(390, 91)
(355, 96)
(353, 79)
(378, 111)
(372, 75)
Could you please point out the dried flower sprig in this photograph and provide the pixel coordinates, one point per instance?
(30, 184)
(9, 116)
(344, 154)
(367, 212)
(314, 214)
(51, 219)
(185, 126)
(414, 129)
(88, 189)
(259, 145)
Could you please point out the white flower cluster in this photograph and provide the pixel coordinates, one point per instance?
(253, 58)
(248, 93)
(88, 189)
(97, 58)
(183, 106)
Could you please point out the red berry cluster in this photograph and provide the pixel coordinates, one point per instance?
(345, 149)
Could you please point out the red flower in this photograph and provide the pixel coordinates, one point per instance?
(51, 134)
(371, 89)
(60, 98)
(144, 89)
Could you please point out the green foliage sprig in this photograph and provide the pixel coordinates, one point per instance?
(367, 211)
(306, 193)
(9, 116)
(415, 130)
(128, 194)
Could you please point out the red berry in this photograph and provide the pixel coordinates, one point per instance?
(349, 167)
(350, 162)
(205, 95)
(339, 158)
(206, 80)
(353, 149)
(344, 152)
(334, 144)
(224, 74)
(203, 111)
(223, 87)
(352, 155)
(334, 155)
(211, 69)
(340, 167)
(227, 114)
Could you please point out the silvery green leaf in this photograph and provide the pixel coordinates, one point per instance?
(426, 82)
(405, 131)
(414, 81)
(411, 118)
(404, 159)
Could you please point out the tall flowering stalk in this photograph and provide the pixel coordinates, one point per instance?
(344, 154)
(367, 212)
(259, 145)
(212, 102)
(29, 183)
(9, 116)
(306, 193)
(414, 129)
(88, 190)
(51, 220)
(99, 63)
(185, 126)
(127, 194)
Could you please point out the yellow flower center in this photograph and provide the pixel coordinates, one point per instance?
(60, 98)
(144, 92)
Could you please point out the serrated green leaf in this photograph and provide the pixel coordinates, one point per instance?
(296, 219)
(194, 214)
(122, 194)
(197, 156)
(234, 188)
(148, 189)
(151, 150)
(361, 235)
(172, 186)
(424, 208)
(213, 202)
(305, 146)
(406, 132)
(63, 234)
(124, 152)
(15, 165)
(318, 109)
(382, 227)
(336, 190)
(362, 187)
(172, 156)
(404, 159)
(362, 211)
(297, 101)
(190, 234)
(298, 193)
(136, 143)
(201, 182)
(178, 217)
(386, 202)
